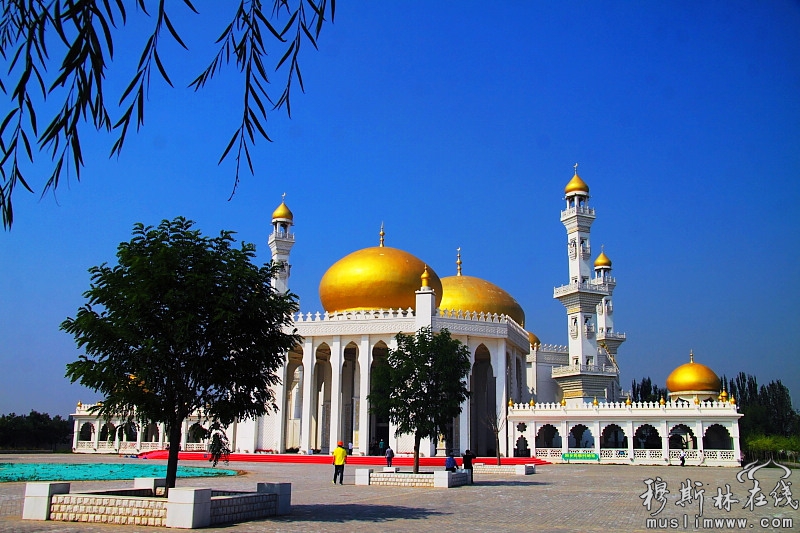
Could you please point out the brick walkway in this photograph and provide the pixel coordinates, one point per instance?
(558, 498)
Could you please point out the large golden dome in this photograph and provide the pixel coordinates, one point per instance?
(576, 184)
(694, 378)
(375, 278)
(467, 293)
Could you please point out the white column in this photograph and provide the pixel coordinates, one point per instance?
(665, 439)
(500, 364)
(282, 415)
(337, 358)
(564, 431)
(309, 378)
(597, 435)
(97, 428)
(76, 431)
(629, 433)
(361, 443)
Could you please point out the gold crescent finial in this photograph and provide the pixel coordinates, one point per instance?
(381, 234)
(458, 261)
(576, 168)
(283, 197)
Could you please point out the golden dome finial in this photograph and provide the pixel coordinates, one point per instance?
(458, 261)
(532, 403)
(628, 400)
(382, 233)
(594, 402)
(732, 400)
(576, 184)
(575, 166)
(425, 277)
(696, 400)
(510, 402)
(691, 356)
(662, 401)
(563, 402)
(282, 211)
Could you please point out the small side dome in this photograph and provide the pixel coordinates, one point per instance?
(534, 339)
(602, 261)
(693, 379)
(282, 212)
(576, 184)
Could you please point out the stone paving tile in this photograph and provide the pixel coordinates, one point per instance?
(558, 498)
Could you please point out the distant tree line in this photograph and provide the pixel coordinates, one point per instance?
(36, 431)
(646, 391)
(770, 427)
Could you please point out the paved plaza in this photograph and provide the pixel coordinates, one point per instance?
(584, 498)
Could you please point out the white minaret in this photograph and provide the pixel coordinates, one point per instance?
(607, 338)
(585, 378)
(280, 243)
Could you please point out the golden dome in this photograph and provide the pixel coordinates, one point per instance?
(602, 261)
(534, 339)
(468, 293)
(375, 278)
(576, 184)
(282, 212)
(693, 377)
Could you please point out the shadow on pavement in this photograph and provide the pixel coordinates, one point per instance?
(356, 512)
(508, 483)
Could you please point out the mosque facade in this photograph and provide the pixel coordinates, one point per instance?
(555, 402)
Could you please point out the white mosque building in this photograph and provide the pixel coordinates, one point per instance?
(560, 403)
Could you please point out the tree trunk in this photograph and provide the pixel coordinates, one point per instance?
(174, 448)
(497, 446)
(417, 439)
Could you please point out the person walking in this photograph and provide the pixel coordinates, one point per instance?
(381, 446)
(389, 455)
(683, 458)
(339, 460)
(468, 456)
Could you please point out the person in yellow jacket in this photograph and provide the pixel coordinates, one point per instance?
(339, 459)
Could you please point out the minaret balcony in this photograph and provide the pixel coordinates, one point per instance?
(587, 287)
(610, 335)
(574, 370)
(588, 330)
(578, 210)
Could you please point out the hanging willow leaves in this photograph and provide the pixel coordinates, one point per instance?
(62, 50)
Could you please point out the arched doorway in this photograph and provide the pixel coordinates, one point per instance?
(483, 409)
(548, 437)
(613, 437)
(717, 437)
(378, 422)
(580, 436)
(85, 434)
(646, 437)
(681, 437)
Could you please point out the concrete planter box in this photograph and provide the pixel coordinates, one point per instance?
(392, 477)
(184, 508)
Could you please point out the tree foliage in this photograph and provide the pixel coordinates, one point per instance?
(63, 50)
(423, 386)
(646, 391)
(183, 324)
(35, 431)
(767, 409)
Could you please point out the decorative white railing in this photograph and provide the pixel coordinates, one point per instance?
(578, 210)
(147, 446)
(196, 446)
(583, 369)
(601, 288)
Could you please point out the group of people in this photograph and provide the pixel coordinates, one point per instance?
(340, 459)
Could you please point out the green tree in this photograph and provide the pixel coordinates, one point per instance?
(423, 385)
(183, 324)
(62, 50)
(35, 431)
(646, 391)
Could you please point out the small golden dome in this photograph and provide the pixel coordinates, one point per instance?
(723, 396)
(594, 402)
(532, 403)
(282, 212)
(425, 277)
(379, 277)
(563, 402)
(693, 377)
(510, 403)
(661, 401)
(602, 261)
(468, 293)
(733, 400)
(534, 339)
(628, 401)
(576, 184)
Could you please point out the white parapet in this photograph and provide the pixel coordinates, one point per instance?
(284, 492)
(362, 476)
(189, 508)
(37, 499)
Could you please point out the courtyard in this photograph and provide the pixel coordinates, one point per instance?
(567, 497)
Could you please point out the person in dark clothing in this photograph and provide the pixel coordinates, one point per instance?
(468, 456)
(450, 463)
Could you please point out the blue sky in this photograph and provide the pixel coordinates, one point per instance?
(457, 124)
